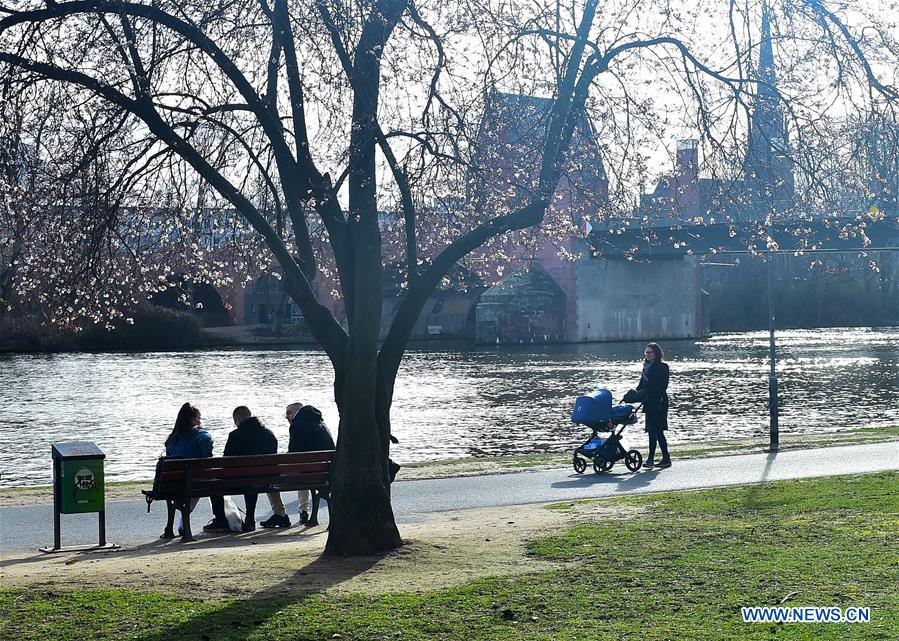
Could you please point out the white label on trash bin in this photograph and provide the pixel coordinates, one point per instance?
(84, 479)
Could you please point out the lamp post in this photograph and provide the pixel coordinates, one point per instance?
(774, 443)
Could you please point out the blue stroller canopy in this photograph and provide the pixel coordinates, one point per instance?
(596, 408)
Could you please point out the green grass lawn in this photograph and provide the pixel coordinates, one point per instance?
(680, 567)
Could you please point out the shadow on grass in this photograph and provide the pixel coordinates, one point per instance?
(752, 497)
(241, 618)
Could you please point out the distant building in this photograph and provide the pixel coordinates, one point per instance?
(768, 168)
(765, 182)
(543, 305)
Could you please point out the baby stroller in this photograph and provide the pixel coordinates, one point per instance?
(597, 413)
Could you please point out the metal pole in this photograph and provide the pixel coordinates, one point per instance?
(57, 503)
(772, 379)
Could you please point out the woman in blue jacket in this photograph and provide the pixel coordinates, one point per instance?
(187, 440)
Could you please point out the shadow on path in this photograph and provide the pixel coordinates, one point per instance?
(620, 482)
(204, 541)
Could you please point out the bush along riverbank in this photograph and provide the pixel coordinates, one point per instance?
(653, 567)
(153, 328)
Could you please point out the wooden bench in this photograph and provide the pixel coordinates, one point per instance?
(180, 480)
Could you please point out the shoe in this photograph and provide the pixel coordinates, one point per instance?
(304, 518)
(649, 465)
(276, 520)
(218, 527)
(664, 463)
(248, 526)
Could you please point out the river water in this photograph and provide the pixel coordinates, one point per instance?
(448, 404)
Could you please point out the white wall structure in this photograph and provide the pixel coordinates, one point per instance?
(627, 300)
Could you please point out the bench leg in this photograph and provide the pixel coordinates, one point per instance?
(169, 532)
(186, 535)
(313, 519)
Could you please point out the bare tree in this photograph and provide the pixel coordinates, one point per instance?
(338, 112)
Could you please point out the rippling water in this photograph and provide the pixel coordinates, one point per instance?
(448, 403)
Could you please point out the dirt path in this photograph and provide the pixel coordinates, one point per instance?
(451, 548)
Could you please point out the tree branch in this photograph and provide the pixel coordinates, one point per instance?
(337, 42)
(433, 93)
(318, 186)
(408, 207)
(824, 14)
(288, 167)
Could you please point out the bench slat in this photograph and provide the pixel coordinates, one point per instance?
(316, 478)
(203, 487)
(322, 456)
(249, 471)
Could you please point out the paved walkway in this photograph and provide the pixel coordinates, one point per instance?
(28, 528)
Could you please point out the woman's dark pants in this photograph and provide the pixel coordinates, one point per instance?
(658, 436)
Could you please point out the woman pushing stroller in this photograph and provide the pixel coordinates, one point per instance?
(653, 393)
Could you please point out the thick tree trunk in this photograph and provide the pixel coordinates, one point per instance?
(361, 517)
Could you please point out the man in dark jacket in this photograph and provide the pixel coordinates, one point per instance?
(307, 430)
(250, 438)
(307, 434)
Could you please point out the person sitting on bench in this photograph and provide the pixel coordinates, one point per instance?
(187, 440)
(308, 433)
(249, 439)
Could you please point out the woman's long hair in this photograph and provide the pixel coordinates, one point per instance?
(657, 351)
(184, 423)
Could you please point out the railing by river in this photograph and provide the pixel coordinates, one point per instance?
(448, 404)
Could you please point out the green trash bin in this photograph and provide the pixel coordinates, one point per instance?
(80, 477)
(78, 486)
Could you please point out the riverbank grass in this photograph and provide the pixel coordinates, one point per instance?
(667, 566)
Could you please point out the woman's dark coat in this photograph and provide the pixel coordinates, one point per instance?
(652, 390)
(308, 432)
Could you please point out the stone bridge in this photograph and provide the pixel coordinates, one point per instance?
(646, 282)
(674, 240)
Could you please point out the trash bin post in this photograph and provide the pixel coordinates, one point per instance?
(56, 505)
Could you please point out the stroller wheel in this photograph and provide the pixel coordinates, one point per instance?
(579, 464)
(601, 465)
(633, 460)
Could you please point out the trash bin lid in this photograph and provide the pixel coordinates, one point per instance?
(76, 450)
